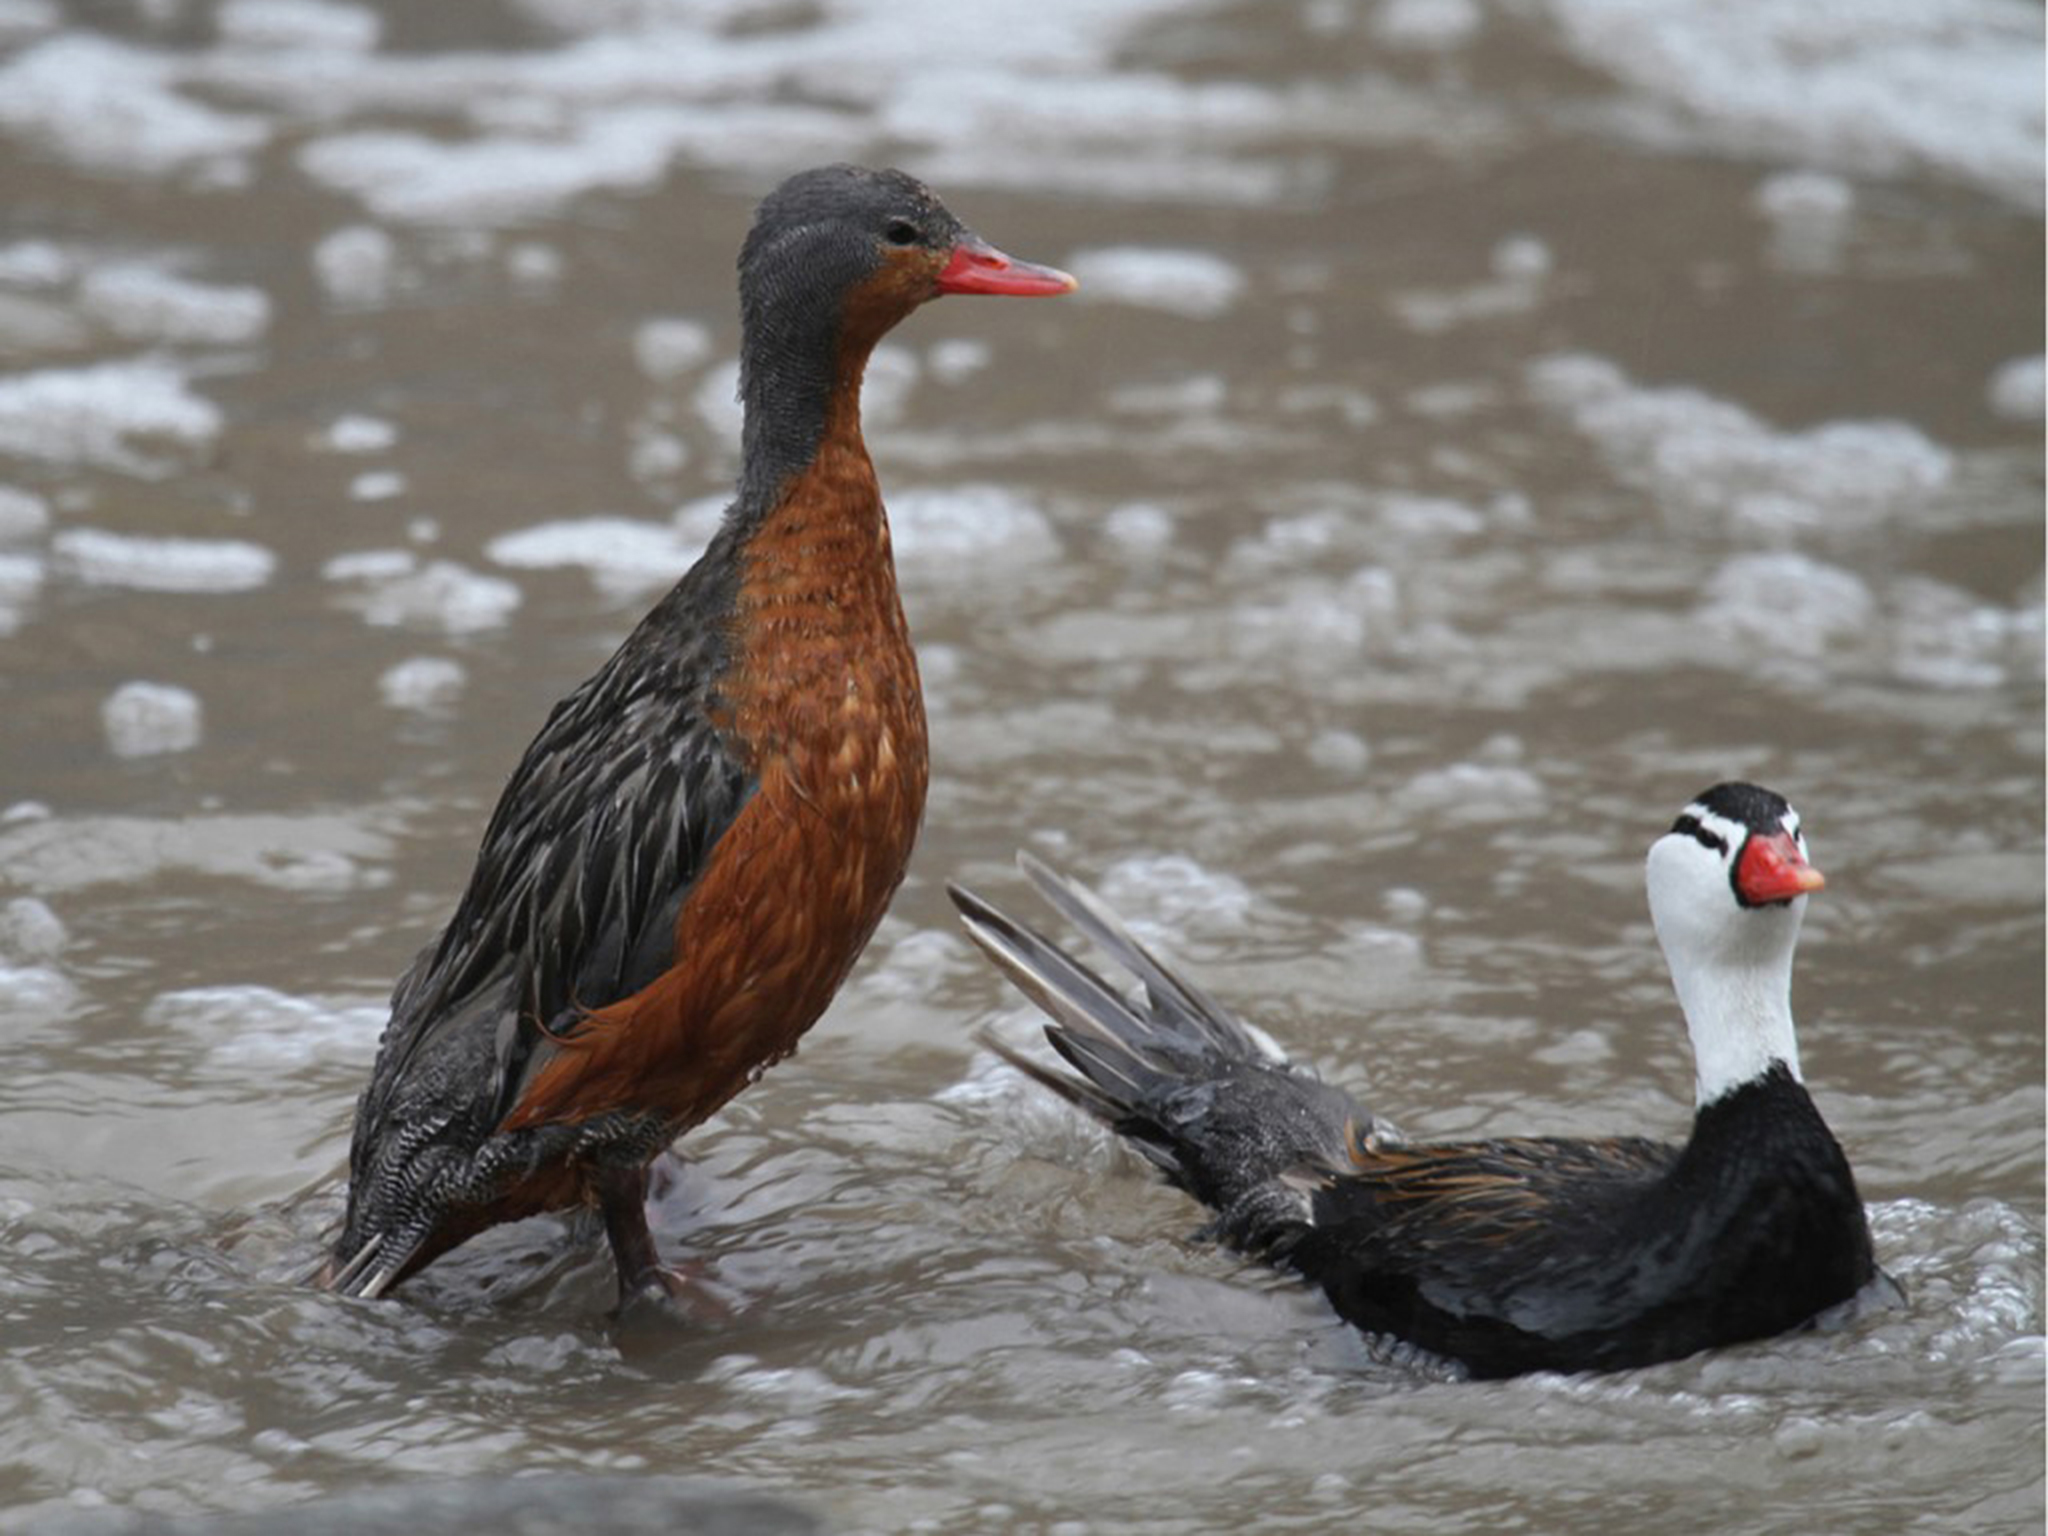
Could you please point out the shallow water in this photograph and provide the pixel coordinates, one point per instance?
(1479, 430)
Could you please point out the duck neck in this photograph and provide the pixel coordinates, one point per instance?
(800, 378)
(1740, 1019)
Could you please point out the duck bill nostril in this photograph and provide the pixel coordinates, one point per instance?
(978, 267)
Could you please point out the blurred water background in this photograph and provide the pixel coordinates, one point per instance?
(1481, 426)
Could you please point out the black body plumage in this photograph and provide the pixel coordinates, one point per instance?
(1509, 1255)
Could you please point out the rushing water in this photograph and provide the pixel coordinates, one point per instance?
(1479, 429)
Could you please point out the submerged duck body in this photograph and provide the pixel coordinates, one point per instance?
(696, 847)
(1514, 1254)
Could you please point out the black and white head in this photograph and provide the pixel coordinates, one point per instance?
(1728, 887)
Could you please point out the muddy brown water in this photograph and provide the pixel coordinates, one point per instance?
(1465, 446)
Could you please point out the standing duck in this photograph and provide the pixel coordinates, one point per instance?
(1522, 1254)
(697, 845)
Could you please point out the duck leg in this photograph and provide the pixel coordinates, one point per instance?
(622, 1198)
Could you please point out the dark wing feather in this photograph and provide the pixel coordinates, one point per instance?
(1487, 1192)
(1525, 1237)
(596, 840)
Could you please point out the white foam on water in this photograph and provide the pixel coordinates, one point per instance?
(1427, 25)
(1112, 130)
(1703, 457)
(1521, 256)
(23, 514)
(376, 485)
(35, 994)
(358, 434)
(1181, 282)
(656, 455)
(949, 529)
(441, 595)
(892, 374)
(1811, 214)
(1518, 266)
(1450, 401)
(1473, 791)
(1175, 892)
(423, 683)
(1352, 408)
(1405, 904)
(797, 1389)
(356, 265)
(1944, 637)
(87, 415)
(410, 176)
(1196, 394)
(1427, 517)
(1049, 105)
(21, 20)
(915, 968)
(2018, 389)
(1296, 540)
(21, 578)
(1788, 604)
(1319, 621)
(621, 554)
(955, 359)
(1139, 527)
(370, 565)
(1050, 1127)
(717, 400)
(1884, 86)
(37, 264)
(148, 719)
(670, 346)
(503, 178)
(30, 931)
(576, 17)
(111, 107)
(702, 518)
(260, 1026)
(298, 24)
(1342, 753)
(142, 303)
(50, 855)
(1805, 196)
(534, 266)
(104, 559)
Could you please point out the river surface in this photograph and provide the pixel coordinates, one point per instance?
(1480, 427)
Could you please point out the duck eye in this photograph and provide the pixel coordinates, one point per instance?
(901, 232)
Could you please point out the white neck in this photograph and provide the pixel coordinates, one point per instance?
(1740, 1020)
(1731, 965)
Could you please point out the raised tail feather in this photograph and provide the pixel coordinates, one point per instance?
(1179, 1076)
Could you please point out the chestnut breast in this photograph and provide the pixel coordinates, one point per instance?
(823, 699)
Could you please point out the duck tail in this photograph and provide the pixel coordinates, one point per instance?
(1219, 1110)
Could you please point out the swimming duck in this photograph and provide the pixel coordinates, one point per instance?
(691, 854)
(1515, 1254)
